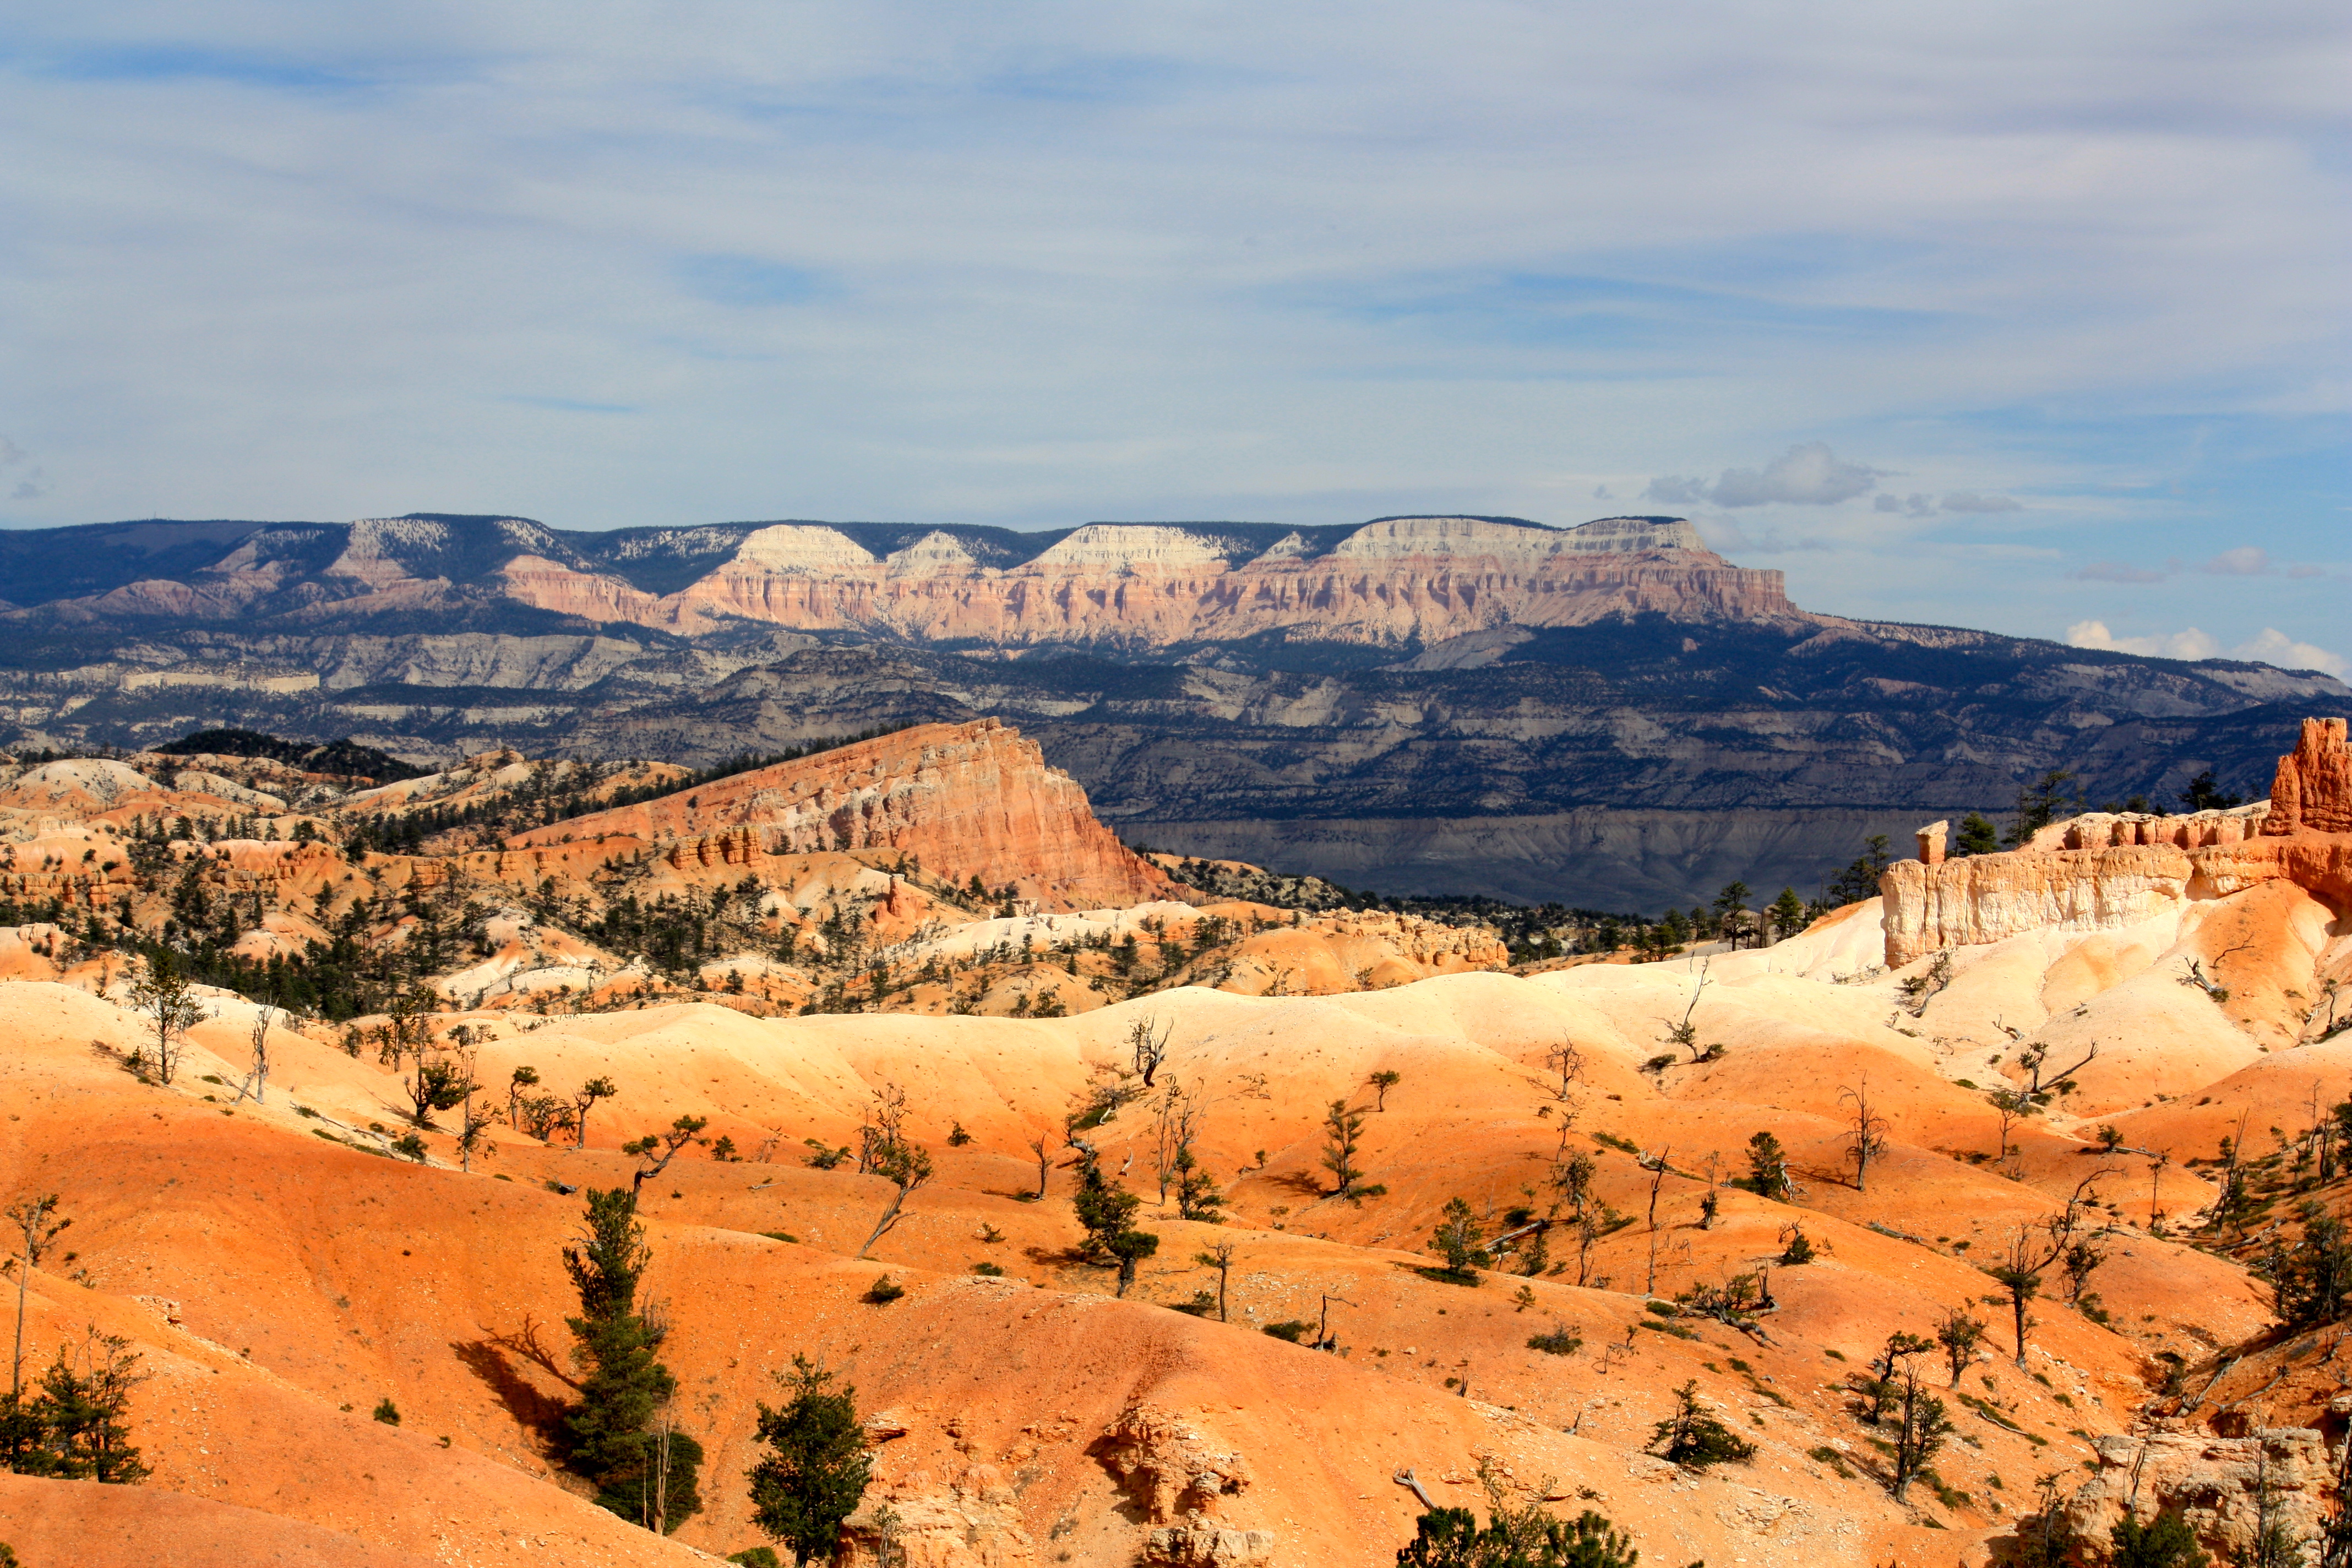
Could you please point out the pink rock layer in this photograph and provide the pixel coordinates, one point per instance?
(966, 800)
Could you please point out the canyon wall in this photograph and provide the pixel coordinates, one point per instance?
(966, 800)
(2105, 871)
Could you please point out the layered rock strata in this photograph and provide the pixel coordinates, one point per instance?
(966, 800)
(1393, 581)
(2104, 870)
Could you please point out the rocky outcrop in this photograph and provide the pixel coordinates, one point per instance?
(2105, 871)
(2222, 1486)
(964, 800)
(1171, 1467)
(2313, 789)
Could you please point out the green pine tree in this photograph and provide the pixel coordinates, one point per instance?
(618, 1436)
(817, 1467)
(1977, 836)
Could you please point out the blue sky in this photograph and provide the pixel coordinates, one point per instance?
(2017, 316)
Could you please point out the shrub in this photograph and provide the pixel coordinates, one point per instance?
(387, 1412)
(884, 1290)
(1561, 1340)
(1693, 1437)
(1292, 1331)
(990, 1269)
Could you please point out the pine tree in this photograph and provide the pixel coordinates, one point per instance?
(1977, 836)
(817, 1468)
(617, 1436)
(1104, 1212)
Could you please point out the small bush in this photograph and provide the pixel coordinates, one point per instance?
(782, 1235)
(1202, 1303)
(1561, 1340)
(884, 1290)
(989, 1269)
(758, 1557)
(1294, 1332)
(958, 1138)
(387, 1412)
(1692, 1437)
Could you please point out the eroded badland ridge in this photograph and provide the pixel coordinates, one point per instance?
(1408, 1230)
(1609, 712)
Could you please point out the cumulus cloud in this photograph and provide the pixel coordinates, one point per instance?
(1969, 500)
(1915, 505)
(1806, 474)
(2246, 560)
(2270, 646)
(1601, 492)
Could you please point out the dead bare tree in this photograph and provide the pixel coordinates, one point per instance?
(1685, 1033)
(1657, 1179)
(1866, 1135)
(1147, 1047)
(1042, 1145)
(2030, 1252)
(1175, 1127)
(1221, 1258)
(1563, 1061)
(257, 1077)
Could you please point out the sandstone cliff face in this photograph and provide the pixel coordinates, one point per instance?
(2104, 871)
(1390, 582)
(965, 799)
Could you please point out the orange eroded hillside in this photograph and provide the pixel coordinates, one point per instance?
(281, 1270)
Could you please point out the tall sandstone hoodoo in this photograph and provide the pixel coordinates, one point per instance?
(2313, 790)
(966, 800)
(2105, 871)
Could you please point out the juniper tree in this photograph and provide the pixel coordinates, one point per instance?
(907, 1167)
(817, 1468)
(654, 1151)
(609, 1437)
(1920, 1430)
(167, 1002)
(1381, 1082)
(1457, 1239)
(583, 1099)
(1693, 1437)
(1959, 1334)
